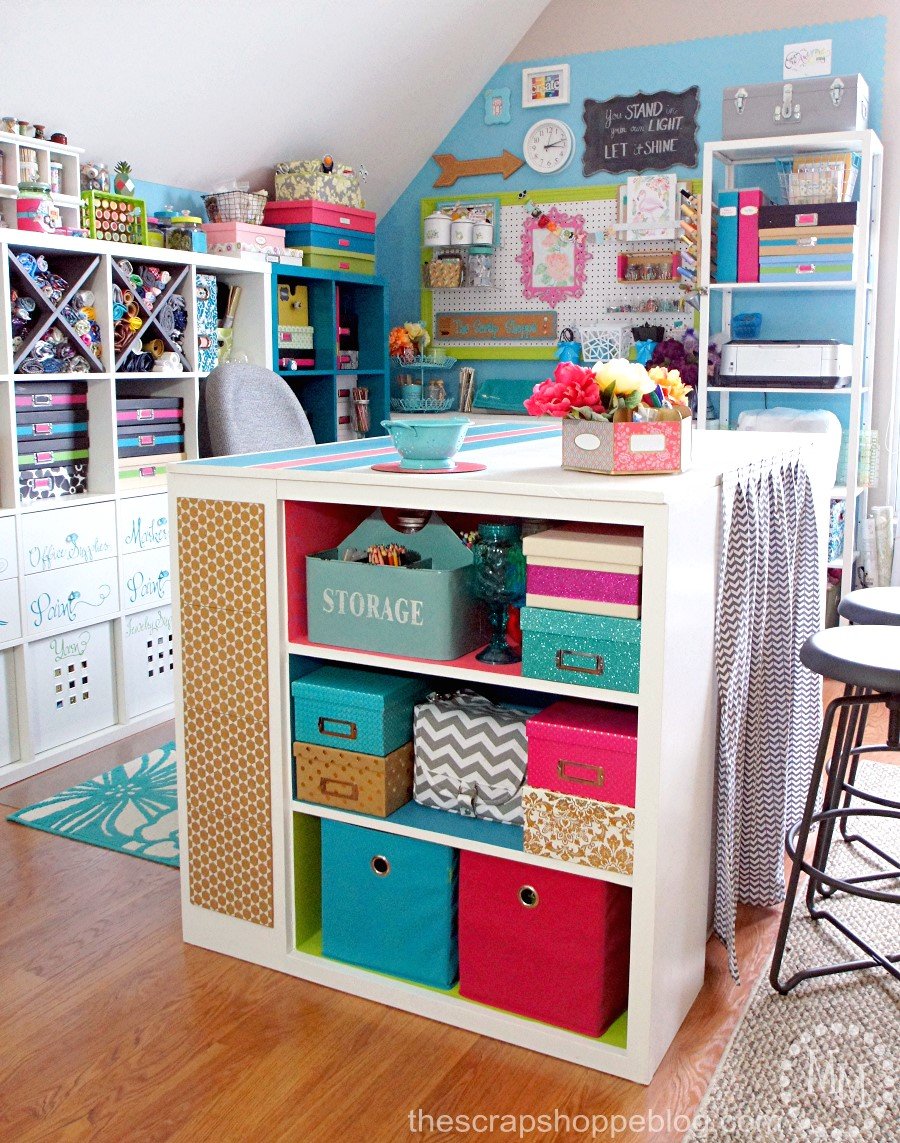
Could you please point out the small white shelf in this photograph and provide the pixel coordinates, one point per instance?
(768, 149)
(846, 287)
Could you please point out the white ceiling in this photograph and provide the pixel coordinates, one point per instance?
(196, 93)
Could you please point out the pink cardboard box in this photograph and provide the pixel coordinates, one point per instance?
(309, 211)
(626, 447)
(241, 238)
(584, 749)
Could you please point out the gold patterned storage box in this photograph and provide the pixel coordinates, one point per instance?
(351, 781)
(582, 830)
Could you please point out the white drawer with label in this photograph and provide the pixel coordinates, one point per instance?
(148, 652)
(146, 579)
(66, 537)
(9, 566)
(143, 523)
(10, 617)
(71, 597)
(71, 681)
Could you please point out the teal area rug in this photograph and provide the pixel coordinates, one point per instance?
(131, 809)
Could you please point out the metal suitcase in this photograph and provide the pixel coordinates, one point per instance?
(800, 107)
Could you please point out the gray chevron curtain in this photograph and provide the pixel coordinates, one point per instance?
(769, 603)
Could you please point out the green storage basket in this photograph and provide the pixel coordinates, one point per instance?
(588, 650)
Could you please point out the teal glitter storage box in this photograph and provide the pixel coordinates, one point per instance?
(589, 650)
(355, 709)
(389, 903)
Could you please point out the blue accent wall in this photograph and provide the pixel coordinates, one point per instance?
(157, 196)
(713, 64)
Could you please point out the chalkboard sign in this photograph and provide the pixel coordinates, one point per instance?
(641, 132)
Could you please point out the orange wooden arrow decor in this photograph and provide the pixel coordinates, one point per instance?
(453, 168)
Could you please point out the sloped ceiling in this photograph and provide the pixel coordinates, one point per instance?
(194, 94)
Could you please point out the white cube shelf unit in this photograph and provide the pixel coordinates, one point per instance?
(67, 199)
(90, 572)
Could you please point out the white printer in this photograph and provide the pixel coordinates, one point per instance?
(794, 364)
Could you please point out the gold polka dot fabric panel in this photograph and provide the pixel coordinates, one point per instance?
(224, 661)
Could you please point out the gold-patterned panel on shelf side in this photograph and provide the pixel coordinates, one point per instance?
(224, 666)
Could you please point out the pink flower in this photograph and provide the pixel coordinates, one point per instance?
(571, 387)
(558, 266)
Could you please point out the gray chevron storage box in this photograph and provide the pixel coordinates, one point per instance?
(470, 757)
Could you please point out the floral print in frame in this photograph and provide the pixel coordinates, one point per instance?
(553, 256)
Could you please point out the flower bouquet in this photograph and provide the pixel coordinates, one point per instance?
(618, 417)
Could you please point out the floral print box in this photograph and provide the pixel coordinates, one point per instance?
(582, 830)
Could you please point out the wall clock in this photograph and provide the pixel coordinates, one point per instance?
(548, 146)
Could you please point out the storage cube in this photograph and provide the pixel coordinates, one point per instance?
(584, 749)
(307, 211)
(302, 179)
(64, 599)
(577, 829)
(389, 903)
(146, 579)
(9, 715)
(368, 711)
(241, 238)
(339, 240)
(588, 650)
(70, 683)
(143, 523)
(65, 537)
(543, 943)
(148, 651)
(364, 783)
(598, 573)
(627, 448)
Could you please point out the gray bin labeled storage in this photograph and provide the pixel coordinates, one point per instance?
(427, 611)
(796, 107)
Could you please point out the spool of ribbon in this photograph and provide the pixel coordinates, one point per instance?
(157, 347)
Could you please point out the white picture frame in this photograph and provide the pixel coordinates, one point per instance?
(545, 86)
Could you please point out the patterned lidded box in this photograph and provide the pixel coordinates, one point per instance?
(581, 830)
(306, 179)
(364, 783)
(627, 448)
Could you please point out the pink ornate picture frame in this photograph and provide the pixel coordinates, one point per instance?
(553, 256)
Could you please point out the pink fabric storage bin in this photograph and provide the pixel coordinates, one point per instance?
(310, 211)
(583, 584)
(543, 943)
(584, 749)
(241, 237)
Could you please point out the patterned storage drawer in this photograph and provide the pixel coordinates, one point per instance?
(366, 710)
(590, 572)
(47, 482)
(9, 713)
(146, 579)
(148, 651)
(70, 678)
(321, 259)
(389, 903)
(143, 523)
(301, 179)
(295, 336)
(353, 781)
(589, 650)
(576, 829)
(584, 749)
(207, 322)
(64, 537)
(65, 599)
(543, 943)
(331, 238)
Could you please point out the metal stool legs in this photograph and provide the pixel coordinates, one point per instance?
(849, 707)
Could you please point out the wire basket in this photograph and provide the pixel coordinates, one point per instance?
(236, 206)
(822, 179)
(421, 405)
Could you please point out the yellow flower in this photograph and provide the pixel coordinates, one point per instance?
(659, 373)
(627, 376)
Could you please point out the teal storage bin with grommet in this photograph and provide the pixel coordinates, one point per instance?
(389, 903)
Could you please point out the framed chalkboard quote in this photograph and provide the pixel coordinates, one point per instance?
(641, 132)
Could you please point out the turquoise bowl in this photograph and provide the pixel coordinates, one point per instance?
(427, 442)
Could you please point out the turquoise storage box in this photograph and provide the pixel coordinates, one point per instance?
(330, 238)
(588, 650)
(423, 612)
(352, 708)
(389, 903)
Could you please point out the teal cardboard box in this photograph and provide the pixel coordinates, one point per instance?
(428, 611)
(349, 708)
(588, 650)
(389, 903)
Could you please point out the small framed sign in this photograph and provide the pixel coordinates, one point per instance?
(496, 106)
(546, 86)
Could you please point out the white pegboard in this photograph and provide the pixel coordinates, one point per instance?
(601, 287)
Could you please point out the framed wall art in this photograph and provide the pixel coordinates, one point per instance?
(545, 86)
(553, 256)
(496, 106)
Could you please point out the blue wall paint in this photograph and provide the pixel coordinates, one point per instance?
(157, 196)
(717, 63)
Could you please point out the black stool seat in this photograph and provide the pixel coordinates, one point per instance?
(861, 656)
(872, 605)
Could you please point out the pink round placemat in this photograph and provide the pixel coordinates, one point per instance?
(460, 466)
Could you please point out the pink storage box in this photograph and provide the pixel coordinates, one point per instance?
(310, 211)
(584, 749)
(593, 572)
(626, 448)
(241, 238)
(542, 943)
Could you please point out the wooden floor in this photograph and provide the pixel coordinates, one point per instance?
(111, 1029)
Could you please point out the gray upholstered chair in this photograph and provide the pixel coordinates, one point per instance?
(251, 409)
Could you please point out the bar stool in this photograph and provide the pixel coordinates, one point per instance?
(867, 659)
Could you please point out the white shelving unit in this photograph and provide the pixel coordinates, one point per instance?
(721, 164)
(118, 568)
(69, 197)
